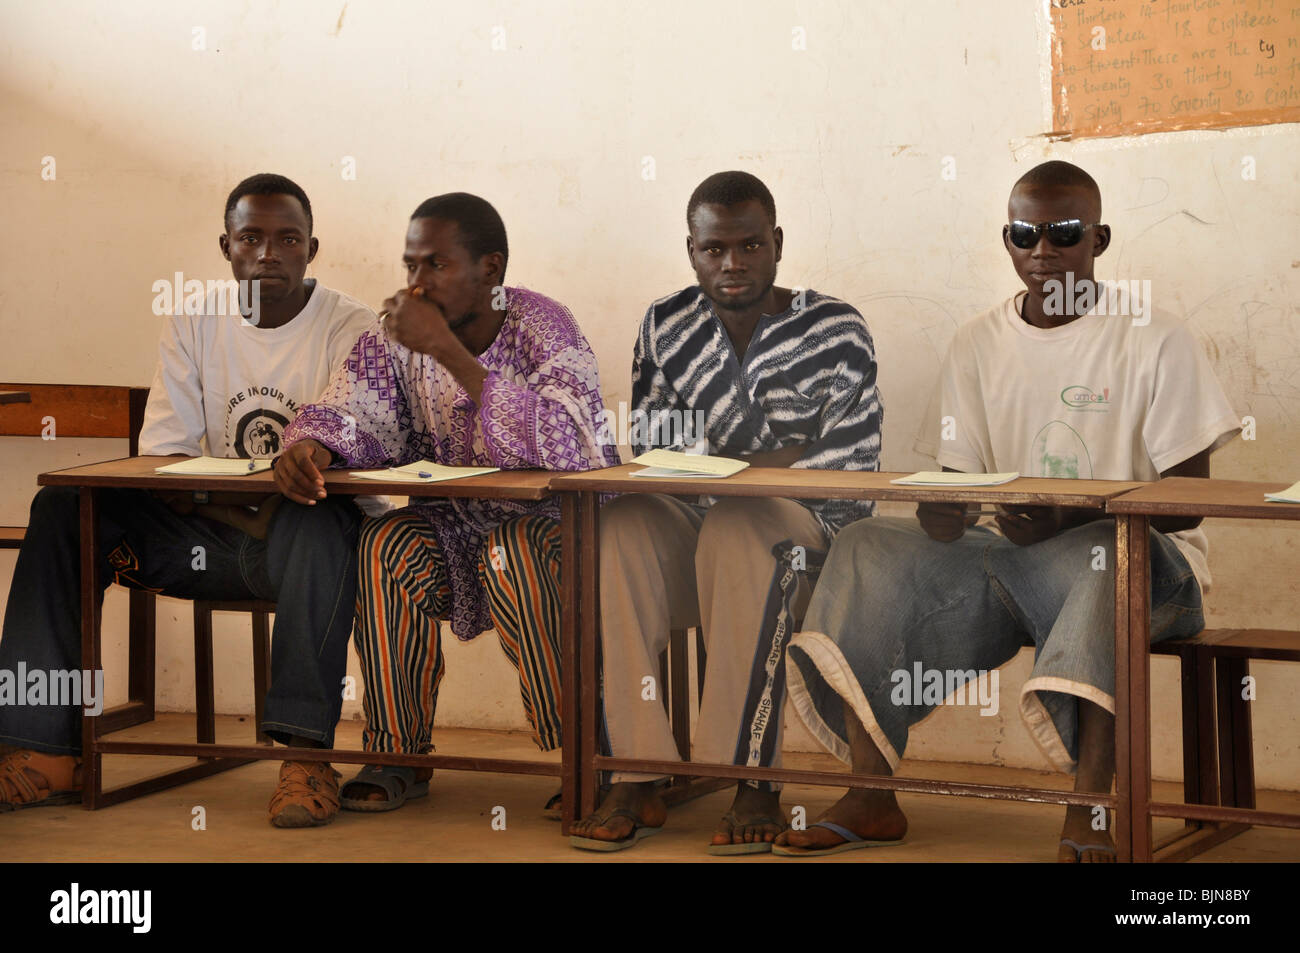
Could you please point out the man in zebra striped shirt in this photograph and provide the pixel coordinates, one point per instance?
(780, 377)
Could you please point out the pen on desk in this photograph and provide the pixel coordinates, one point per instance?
(425, 476)
(251, 465)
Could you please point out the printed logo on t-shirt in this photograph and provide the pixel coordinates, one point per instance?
(1059, 452)
(255, 421)
(259, 433)
(1082, 397)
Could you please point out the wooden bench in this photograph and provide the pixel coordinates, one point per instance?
(93, 410)
(1218, 751)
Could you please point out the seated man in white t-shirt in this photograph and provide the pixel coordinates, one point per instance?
(907, 614)
(226, 386)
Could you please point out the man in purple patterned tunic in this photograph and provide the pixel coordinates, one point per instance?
(462, 372)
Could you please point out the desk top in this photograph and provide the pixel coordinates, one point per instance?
(847, 485)
(15, 397)
(1189, 496)
(138, 473)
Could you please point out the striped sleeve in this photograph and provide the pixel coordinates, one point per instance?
(848, 433)
(652, 395)
(852, 417)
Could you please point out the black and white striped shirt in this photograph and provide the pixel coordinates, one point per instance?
(809, 376)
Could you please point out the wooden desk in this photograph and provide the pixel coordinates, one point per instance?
(138, 473)
(15, 397)
(581, 507)
(1175, 496)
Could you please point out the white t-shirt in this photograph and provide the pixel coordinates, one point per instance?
(1099, 398)
(228, 389)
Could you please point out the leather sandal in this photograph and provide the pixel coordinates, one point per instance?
(23, 786)
(306, 796)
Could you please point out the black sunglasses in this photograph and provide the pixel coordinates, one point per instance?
(1062, 234)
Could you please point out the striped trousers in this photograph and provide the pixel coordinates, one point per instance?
(402, 593)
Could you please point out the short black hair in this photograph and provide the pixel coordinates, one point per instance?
(481, 229)
(1059, 175)
(728, 189)
(268, 183)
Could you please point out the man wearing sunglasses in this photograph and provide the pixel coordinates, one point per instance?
(1049, 388)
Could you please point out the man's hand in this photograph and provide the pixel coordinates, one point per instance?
(775, 458)
(1026, 525)
(255, 524)
(944, 522)
(180, 502)
(297, 472)
(415, 322)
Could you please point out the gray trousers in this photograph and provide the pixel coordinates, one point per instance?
(667, 565)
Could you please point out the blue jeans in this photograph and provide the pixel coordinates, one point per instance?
(893, 604)
(307, 565)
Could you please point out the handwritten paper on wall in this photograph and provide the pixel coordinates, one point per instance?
(1124, 67)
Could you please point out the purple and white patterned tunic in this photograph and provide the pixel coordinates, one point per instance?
(389, 406)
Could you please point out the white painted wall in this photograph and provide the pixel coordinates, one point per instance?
(149, 134)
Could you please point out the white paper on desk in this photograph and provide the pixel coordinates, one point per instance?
(422, 471)
(669, 473)
(932, 478)
(1290, 495)
(215, 466)
(671, 463)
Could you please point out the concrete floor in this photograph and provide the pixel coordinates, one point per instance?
(455, 822)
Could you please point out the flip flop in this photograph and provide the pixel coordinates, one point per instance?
(606, 846)
(396, 780)
(554, 810)
(1080, 848)
(852, 842)
(756, 847)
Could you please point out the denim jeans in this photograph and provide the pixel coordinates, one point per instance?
(892, 602)
(307, 565)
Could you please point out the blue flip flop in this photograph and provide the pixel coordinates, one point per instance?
(852, 842)
(397, 781)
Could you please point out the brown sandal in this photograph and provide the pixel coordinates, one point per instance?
(23, 786)
(307, 795)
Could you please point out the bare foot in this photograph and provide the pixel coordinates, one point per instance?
(872, 815)
(640, 799)
(1095, 771)
(1078, 828)
(754, 813)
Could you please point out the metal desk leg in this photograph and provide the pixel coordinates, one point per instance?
(571, 717)
(92, 778)
(1123, 787)
(1139, 644)
(589, 546)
